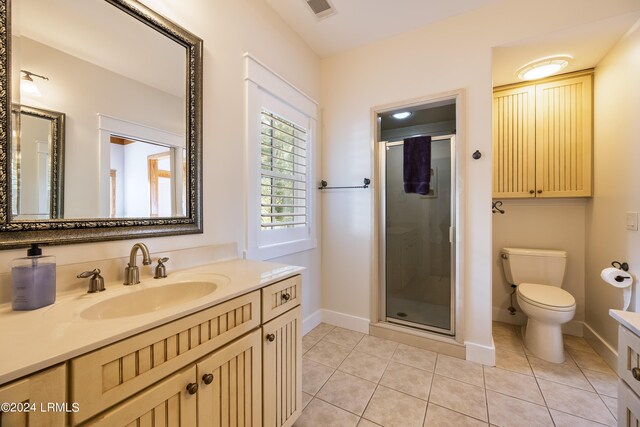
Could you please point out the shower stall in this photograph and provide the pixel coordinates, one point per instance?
(417, 233)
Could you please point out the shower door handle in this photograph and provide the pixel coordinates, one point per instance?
(450, 234)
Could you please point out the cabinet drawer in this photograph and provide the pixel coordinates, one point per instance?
(38, 389)
(628, 357)
(111, 374)
(628, 406)
(280, 297)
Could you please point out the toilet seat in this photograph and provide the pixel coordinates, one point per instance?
(547, 297)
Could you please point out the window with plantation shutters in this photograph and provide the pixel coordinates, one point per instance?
(281, 127)
(283, 175)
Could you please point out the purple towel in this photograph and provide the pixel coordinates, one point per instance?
(417, 164)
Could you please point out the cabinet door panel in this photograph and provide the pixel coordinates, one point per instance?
(514, 142)
(282, 369)
(233, 398)
(38, 389)
(165, 404)
(563, 138)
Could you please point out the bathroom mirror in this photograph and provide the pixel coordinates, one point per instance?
(130, 85)
(37, 163)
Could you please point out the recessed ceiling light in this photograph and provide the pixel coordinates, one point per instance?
(543, 67)
(402, 115)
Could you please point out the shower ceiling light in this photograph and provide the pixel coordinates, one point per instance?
(402, 115)
(543, 67)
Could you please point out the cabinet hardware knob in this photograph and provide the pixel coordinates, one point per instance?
(192, 388)
(539, 191)
(271, 337)
(207, 378)
(636, 373)
(531, 191)
(286, 296)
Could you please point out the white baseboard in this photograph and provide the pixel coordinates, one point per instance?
(481, 354)
(311, 321)
(347, 321)
(608, 353)
(574, 327)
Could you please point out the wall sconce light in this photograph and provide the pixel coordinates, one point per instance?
(28, 86)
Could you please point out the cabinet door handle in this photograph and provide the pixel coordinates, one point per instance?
(271, 337)
(636, 373)
(286, 296)
(539, 191)
(531, 191)
(207, 378)
(192, 388)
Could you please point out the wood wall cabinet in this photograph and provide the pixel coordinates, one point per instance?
(542, 138)
(36, 391)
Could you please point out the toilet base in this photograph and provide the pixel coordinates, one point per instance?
(544, 340)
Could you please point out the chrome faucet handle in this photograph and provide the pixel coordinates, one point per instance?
(161, 270)
(96, 284)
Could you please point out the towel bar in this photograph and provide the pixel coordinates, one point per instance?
(323, 185)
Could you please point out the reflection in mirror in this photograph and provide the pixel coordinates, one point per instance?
(112, 75)
(37, 153)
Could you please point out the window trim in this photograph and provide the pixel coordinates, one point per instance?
(263, 86)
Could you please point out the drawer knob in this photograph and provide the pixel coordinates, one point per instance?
(539, 191)
(636, 373)
(531, 191)
(286, 296)
(271, 337)
(192, 388)
(207, 378)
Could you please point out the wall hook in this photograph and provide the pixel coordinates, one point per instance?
(476, 154)
(495, 207)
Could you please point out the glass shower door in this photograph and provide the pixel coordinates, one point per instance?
(418, 249)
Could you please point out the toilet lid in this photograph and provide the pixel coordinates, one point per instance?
(544, 295)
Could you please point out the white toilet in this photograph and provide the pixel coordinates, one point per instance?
(538, 273)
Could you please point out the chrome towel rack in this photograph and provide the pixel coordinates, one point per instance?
(324, 185)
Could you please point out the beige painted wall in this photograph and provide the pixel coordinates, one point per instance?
(616, 178)
(228, 28)
(448, 55)
(540, 224)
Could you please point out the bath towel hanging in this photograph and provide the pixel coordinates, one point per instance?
(417, 164)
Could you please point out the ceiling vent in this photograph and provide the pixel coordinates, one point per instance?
(321, 8)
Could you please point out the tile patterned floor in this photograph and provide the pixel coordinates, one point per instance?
(353, 379)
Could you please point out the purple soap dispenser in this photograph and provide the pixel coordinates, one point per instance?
(34, 280)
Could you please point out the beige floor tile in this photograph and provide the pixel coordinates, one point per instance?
(364, 365)
(461, 370)
(437, 416)
(308, 342)
(347, 392)
(589, 360)
(565, 420)
(516, 385)
(314, 375)
(500, 328)
(367, 423)
(557, 372)
(612, 404)
(327, 353)
(576, 402)
(344, 337)
(306, 398)
(407, 379)
(509, 343)
(319, 413)
(458, 396)
(577, 343)
(320, 331)
(377, 346)
(512, 361)
(604, 383)
(391, 408)
(506, 411)
(416, 357)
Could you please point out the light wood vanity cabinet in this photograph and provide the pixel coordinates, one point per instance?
(542, 138)
(36, 392)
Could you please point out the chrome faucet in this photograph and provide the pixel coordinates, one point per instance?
(131, 273)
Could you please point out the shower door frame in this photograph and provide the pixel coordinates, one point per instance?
(384, 146)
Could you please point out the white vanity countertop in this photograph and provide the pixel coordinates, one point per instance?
(628, 319)
(37, 339)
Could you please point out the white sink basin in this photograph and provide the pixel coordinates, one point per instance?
(148, 300)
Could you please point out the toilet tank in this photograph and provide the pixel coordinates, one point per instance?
(542, 266)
